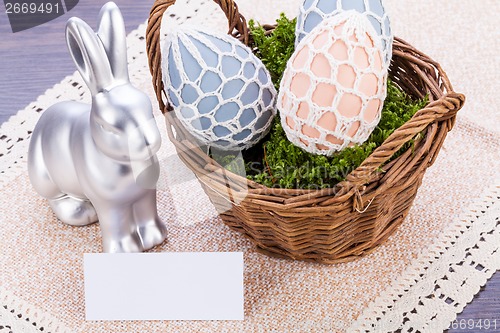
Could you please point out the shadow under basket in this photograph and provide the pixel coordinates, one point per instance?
(331, 225)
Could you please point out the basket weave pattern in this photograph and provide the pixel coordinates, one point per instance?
(330, 225)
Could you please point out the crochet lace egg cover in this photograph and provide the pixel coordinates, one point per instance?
(220, 91)
(334, 86)
(313, 12)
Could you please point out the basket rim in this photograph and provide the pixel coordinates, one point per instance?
(443, 106)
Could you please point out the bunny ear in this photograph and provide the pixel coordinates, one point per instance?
(113, 36)
(89, 55)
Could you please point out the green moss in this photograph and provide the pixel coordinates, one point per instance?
(274, 50)
(276, 162)
(287, 166)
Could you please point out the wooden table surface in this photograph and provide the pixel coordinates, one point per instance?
(34, 60)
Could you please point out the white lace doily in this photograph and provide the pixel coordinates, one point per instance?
(443, 280)
(16, 316)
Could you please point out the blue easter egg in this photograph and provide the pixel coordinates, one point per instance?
(221, 92)
(312, 12)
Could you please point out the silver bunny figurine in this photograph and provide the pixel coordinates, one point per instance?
(98, 162)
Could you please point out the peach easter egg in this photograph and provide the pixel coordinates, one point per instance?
(334, 86)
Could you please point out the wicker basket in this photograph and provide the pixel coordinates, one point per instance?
(331, 225)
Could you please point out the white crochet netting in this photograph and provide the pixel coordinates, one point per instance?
(312, 12)
(442, 281)
(220, 91)
(334, 86)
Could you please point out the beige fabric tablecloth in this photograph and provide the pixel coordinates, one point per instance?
(41, 276)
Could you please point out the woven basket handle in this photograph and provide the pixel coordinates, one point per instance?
(237, 27)
(442, 109)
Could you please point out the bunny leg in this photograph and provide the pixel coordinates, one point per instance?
(151, 228)
(118, 230)
(70, 210)
(73, 211)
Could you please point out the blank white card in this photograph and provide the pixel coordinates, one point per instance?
(164, 286)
